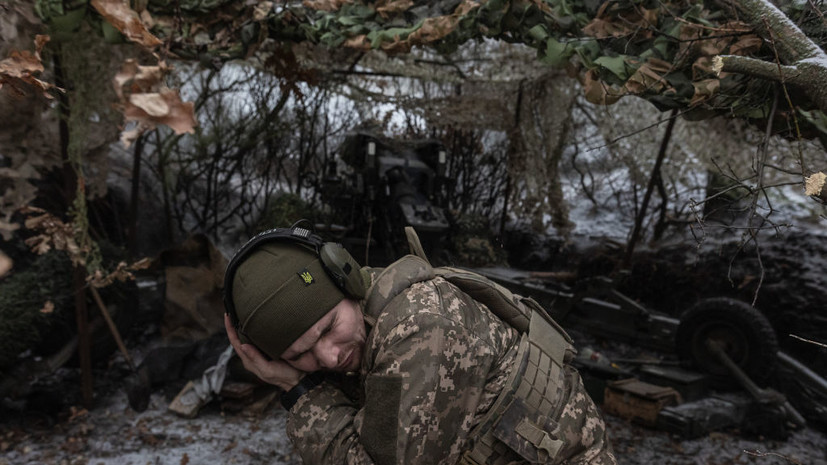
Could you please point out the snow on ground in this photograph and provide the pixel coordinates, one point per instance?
(112, 434)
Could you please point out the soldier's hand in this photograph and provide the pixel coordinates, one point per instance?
(276, 372)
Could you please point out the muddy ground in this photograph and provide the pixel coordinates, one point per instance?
(113, 434)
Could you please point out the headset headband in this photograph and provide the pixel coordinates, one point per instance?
(337, 263)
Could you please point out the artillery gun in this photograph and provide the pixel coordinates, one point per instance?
(378, 186)
(714, 358)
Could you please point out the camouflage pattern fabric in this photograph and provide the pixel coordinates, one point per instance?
(582, 427)
(435, 361)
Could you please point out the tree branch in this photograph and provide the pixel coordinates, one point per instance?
(753, 67)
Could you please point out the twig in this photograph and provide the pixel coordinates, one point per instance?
(672, 116)
(758, 453)
(808, 340)
(112, 328)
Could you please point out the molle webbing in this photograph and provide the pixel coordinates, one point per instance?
(522, 419)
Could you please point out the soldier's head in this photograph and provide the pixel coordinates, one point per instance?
(295, 297)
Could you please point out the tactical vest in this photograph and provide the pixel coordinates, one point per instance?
(523, 417)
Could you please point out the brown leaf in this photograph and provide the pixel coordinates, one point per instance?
(391, 7)
(704, 90)
(127, 21)
(145, 100)
(325, 5)
(122, 273)
(648, 78)
(185, 459)
(433, 29)
(20, 64)
(48, 307)
(5, 264)
(164, 107)
(612, 22)
(261, 10)
(359, 42)
(20, 68)
(598, 92)
(140, 78)
(53, 234)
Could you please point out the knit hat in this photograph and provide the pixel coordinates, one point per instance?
(279, 291)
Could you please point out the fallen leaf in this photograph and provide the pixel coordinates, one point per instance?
(77, 413)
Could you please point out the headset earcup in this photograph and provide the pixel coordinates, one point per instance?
(343, 269)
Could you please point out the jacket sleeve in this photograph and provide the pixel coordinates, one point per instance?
(428, 381)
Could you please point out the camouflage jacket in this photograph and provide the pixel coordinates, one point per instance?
(434, 362)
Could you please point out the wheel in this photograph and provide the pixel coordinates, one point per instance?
(744, 333)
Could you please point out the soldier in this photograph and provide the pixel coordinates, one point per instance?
(439, 378)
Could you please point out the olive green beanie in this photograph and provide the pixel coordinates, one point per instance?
(279, 291)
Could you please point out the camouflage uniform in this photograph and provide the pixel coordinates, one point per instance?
(434, 362)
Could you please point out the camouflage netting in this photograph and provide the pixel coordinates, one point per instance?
(661, 51)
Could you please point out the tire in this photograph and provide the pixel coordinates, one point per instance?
(745, 334)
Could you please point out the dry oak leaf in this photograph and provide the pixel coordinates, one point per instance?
(53, 233)
(20, 67)
(139, 78)
(127, 21)
(164, 107)
(122, 273)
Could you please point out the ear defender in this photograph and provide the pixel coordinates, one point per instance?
(342, 269)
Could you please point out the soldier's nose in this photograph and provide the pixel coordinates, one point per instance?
(329, 356)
